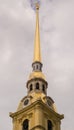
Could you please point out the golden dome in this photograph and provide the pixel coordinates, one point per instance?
(36, 74)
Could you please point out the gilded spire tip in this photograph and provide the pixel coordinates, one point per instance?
(35, 4)
(37, 51)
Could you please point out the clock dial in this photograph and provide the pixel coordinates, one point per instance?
(26, 102)
(48, 102)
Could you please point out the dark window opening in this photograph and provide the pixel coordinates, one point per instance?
(25, 125)
(49, 125)
(31, 87)
(34, 68)
(43, 87)
(37, 66)
(37, 85)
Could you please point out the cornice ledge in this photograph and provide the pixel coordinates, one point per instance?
(37, 104)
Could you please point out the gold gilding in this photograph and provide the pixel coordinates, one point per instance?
(36, 75)
(37, 53)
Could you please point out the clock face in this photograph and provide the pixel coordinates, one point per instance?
(26, 102)
(48, 102)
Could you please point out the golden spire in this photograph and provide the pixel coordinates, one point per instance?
(37, 53)
(37, 65)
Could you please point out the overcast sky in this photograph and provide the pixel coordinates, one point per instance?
(17, 28)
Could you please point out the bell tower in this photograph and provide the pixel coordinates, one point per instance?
(36, 111)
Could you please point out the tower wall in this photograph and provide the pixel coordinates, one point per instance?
(38, 115)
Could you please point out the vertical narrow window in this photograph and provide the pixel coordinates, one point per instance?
(34, 68)
(25, 125)
(37, 66)
(49, 125)
(37, 85)
(31, 87)
(43, 87)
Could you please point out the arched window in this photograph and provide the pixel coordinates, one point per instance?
(37, 85)
(25, 125)
(37, 66)
(43, 87)
(49, 125)
(34, 68)
(31, 87)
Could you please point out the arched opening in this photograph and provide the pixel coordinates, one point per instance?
(37, 85)
(33, 67)
(43, 87)
(31, 87)
(37, 66)
(25, 124)
(49, 125)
